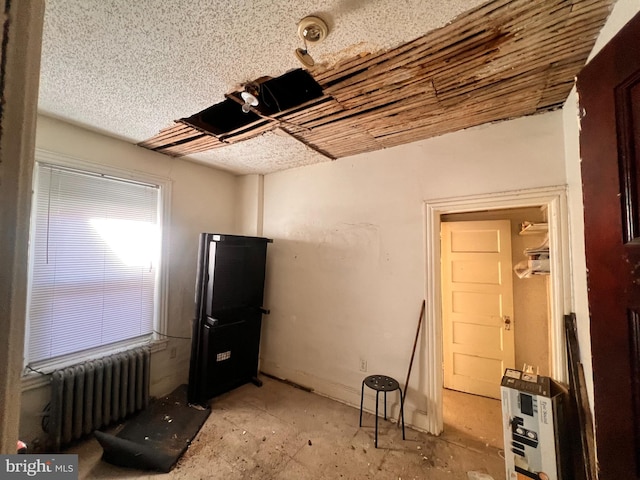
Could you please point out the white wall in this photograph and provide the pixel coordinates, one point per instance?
(621, 14)
(346, 271)
(249, 198)
(202, 199)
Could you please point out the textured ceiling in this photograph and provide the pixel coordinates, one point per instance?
(130, 68)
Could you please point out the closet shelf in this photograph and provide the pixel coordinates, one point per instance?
(537, 258)
(530, 228)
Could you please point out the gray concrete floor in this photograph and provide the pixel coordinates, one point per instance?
(280, 432)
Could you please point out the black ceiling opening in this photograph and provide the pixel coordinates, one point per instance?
(221, 118)
(287, 91)
(274, 95)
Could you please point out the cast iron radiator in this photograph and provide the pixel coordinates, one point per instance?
(94, 394)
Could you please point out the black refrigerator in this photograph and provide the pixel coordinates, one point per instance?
(225, 342)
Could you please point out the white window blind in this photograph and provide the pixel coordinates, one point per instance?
(95, 252)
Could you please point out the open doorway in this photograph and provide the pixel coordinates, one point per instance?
(550, 202)
(492, 318)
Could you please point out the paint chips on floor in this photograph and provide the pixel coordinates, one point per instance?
(478, 476)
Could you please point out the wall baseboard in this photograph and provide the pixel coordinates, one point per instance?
(348, 395)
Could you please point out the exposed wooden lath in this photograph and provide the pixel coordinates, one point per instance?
(502, 60)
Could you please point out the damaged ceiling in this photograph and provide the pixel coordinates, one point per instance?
(379, 84)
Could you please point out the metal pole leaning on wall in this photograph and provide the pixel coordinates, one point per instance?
(413, 353)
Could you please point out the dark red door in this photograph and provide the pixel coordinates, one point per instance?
(609, 92)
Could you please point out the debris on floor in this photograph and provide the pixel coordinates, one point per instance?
(478, 476)
(341, 451)
(152, 440)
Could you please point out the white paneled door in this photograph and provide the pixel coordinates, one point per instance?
(477, 305)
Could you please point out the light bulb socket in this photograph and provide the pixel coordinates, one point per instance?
(249, 101)
(312, 29)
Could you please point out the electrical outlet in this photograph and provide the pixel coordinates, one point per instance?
(363, 365)
(173, 352)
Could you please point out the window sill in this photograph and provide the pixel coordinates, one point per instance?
(33, 380)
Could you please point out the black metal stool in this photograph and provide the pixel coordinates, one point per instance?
(382, 383)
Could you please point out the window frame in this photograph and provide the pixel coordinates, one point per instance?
(157, 338)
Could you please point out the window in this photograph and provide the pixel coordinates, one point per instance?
(94, 263)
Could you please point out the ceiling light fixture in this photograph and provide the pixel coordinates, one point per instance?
(311, 30)
(249, 101)
(250, 97)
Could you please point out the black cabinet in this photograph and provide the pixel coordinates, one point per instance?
(226, 330)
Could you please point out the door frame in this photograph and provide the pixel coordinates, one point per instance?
(19, 76)
(555, 200)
